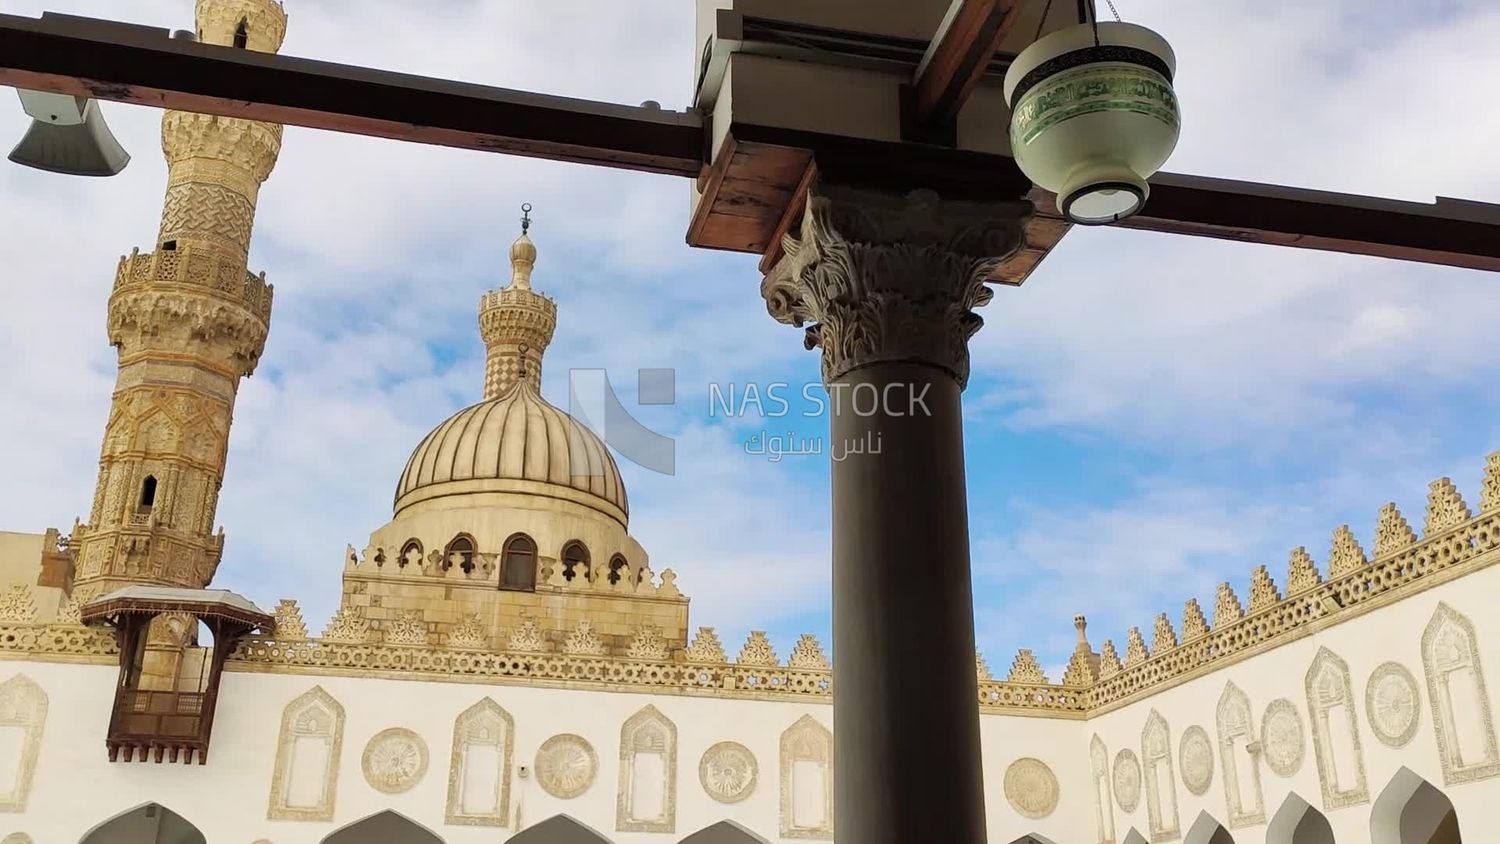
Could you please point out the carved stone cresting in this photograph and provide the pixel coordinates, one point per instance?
(1330, 704)
(706, 648)
(1346, 556)
(407, 628)
(982, 668)
(1195, 757)
(1031, 788)
(480, 765)
(1163, 637)
(1489, 496)
(1135, 648)
(648, 644)
(584, 641)
(1127, 780)
(808, 653)
(728, 772)
(807, 751)
(348, 625)
(1240, 757)
(23, 709)
(18, 604)
(1393, 704)
(757, 650)
(470, 633)
(528, 638)
(290, 627)
(1109, 660)
(1194, 624)
(1445, 507)
(1461, 716)
(1302, 572)
(1156, 767)
(566, 766)
(305, 779)
(643, 806)
(889, 278)
(1392, 532)
(1282, 740)
(1099, 783)
(395, 759)
(1227, 607)
(1025, 668)
(1263, 594)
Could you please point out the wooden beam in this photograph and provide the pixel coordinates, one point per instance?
(1450, 232)
(141, 65)
(958, 57)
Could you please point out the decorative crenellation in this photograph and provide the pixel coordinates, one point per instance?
(757, 650)
(348, 625)
(808, 653)
(981, 668)
(470, 632)
(1109, 660)
(1489, 496)
(1346, 555)
(1135, 648)
(407, 628)
(1083, 665)
(1301, 572)
(1445, 507)
(289, 624)
(1163, 637)
(584, 641)
(648, 644)
(528, 638)
(1393, 532)
(1194, 624)
(1025, 669)
(706, 648)
(1227, 607)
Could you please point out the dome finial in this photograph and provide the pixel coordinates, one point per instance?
(522, 253)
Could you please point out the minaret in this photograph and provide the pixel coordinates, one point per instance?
(189, 321)
(516, 322)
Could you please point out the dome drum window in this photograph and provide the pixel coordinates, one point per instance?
(518, 564)
(460, 552)
(575, 562)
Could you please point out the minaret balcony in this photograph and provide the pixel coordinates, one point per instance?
(225, 277)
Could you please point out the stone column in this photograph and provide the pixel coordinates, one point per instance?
(890, 283)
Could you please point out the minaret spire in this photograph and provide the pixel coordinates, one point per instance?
(516, 322)
(189, 322)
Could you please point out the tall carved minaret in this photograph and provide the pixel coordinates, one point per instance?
(189, 321)
(516, 322)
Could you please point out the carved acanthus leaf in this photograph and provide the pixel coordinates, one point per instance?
(1445, 507)
(1227, 606)
(891, 278)
(1263, 592)
(1392, 532)
(808, 653)
(584, 641)
(648, 644)
(757, 650)
(290, 626)
(706, 648)
(1301, 571)
(1163, 637)
(1194, 624)
(1135, 648)
(1025, 668)
(1347, 556)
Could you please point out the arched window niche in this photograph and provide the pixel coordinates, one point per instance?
(575, 561)
(460, 553)
(518, 564)
(618, 569)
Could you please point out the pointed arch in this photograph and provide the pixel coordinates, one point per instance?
(1460, 702)
(1161, 784)
(518, 564)
(146, 822)
(383, 826)
(1411, 810)
(480, 766)
(647, 800)
(459, 552)
(724, 832)
(807, 780)
(576, 561)
(1244, 801)
(1104, 804)
(1297, 822)
(1330, 708)
(242, 34)
(558, 829)
(305, 779)
(23, 715)
(1206, 830)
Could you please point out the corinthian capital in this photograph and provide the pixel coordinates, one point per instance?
(887, 278)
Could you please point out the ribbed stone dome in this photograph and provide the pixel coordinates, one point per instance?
(514, 443)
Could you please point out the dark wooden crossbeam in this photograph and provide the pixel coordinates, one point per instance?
(142, 65)
(958, 57)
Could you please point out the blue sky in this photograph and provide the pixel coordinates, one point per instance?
(1149, 414)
